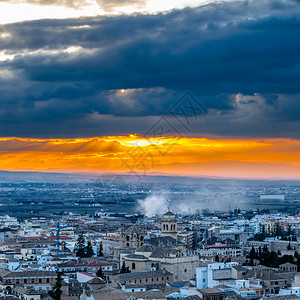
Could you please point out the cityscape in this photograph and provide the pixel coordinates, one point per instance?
(156, 238)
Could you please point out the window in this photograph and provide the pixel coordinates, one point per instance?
(25, 280)
(32, 280)
(17, 281)
(133, 266)
(40, 280)
(185, 270)
(48, 280)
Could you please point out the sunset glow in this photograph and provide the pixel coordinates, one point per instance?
(169, 155)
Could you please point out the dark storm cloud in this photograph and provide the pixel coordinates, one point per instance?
(217, 51)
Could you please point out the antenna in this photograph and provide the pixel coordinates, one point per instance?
(169, 204)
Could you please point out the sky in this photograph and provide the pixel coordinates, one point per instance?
(90, 86)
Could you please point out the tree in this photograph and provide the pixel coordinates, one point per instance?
(80, 246)
(252, 253)
(64, 246)
(269, 259)
(100, 273)
(259, 237)
(101, 249)
(265, 249)
(56, 291)
(278, 231)
(124, 269)
(89, 252)
(298, 264)
(289, 231)
(206, 212)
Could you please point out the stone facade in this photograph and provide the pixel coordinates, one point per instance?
(132, 237)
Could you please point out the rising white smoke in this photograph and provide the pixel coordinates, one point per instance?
(154, 204)
(157, 204)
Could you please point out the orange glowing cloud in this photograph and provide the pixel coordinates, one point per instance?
(244, 158)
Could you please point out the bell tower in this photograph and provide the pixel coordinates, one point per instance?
(169, 225)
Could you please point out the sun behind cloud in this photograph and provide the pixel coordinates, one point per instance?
(239, 158)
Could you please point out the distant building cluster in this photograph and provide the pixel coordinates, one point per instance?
(107, 256)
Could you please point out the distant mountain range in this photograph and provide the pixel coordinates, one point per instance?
(55, 177)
